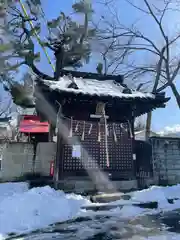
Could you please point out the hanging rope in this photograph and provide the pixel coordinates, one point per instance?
(99, 132)
(130, 129)
(71, 128)
(114, 133)
(36, 35)
(105, 132)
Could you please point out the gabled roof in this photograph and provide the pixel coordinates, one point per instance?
(92, 87)
(85, 87)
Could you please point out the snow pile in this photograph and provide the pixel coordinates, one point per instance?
(25, 210)
(10, 189)
(153, 194)
(168, 236)
(157, 193)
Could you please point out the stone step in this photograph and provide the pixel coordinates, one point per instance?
(109, 197)
(106, 207)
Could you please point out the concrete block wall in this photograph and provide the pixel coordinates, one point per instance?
(46, 152)
(166, 159)
(17, 159)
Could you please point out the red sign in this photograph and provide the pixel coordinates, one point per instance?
(32, 124)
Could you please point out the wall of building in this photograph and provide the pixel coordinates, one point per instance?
(17, 159)
(45, 153)
(166, 160)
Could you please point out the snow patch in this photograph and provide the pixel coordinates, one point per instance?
(10, 189)
(94, 87)
(125, 210)
(23, 210)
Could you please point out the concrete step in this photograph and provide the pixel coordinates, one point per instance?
(106, 207)
(109, 197)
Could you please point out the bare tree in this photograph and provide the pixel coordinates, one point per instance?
(139, 125)
(164, 65)
(8, 112)
(5, 105)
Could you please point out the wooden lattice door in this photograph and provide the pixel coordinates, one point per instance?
(93, 152)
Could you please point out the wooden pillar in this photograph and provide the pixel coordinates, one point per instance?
(58, 165)
(133, 142)
(148, 126)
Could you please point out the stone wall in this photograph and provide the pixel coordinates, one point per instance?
(46, 152)
(166, 160)
(17, 159)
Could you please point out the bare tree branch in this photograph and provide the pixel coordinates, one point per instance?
(155, 18)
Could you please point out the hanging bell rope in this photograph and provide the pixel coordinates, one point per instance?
(99, 132)
(114, 133)
(100, 110)
(71, 130)
(83, 134)
(106, 140)
(107, 127)
(130, 130)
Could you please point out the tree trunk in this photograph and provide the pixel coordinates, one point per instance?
(148, 126)
(176, 93)
(59, 63)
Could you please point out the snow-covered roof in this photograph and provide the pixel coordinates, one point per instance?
(107, 88)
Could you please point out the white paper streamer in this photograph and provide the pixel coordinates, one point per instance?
(90, 129)
(83, 134)
(77, 125)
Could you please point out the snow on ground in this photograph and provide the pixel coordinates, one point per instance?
(154, 193)
(159, 194)
(23, 210)
(9, 189)
(168, 236)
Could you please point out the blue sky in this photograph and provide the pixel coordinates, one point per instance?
(161, 117)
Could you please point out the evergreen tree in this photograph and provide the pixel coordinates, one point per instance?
(68, 39)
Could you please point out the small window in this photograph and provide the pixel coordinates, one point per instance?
(76, 151)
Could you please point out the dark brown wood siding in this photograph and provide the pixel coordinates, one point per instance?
(93, 152)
